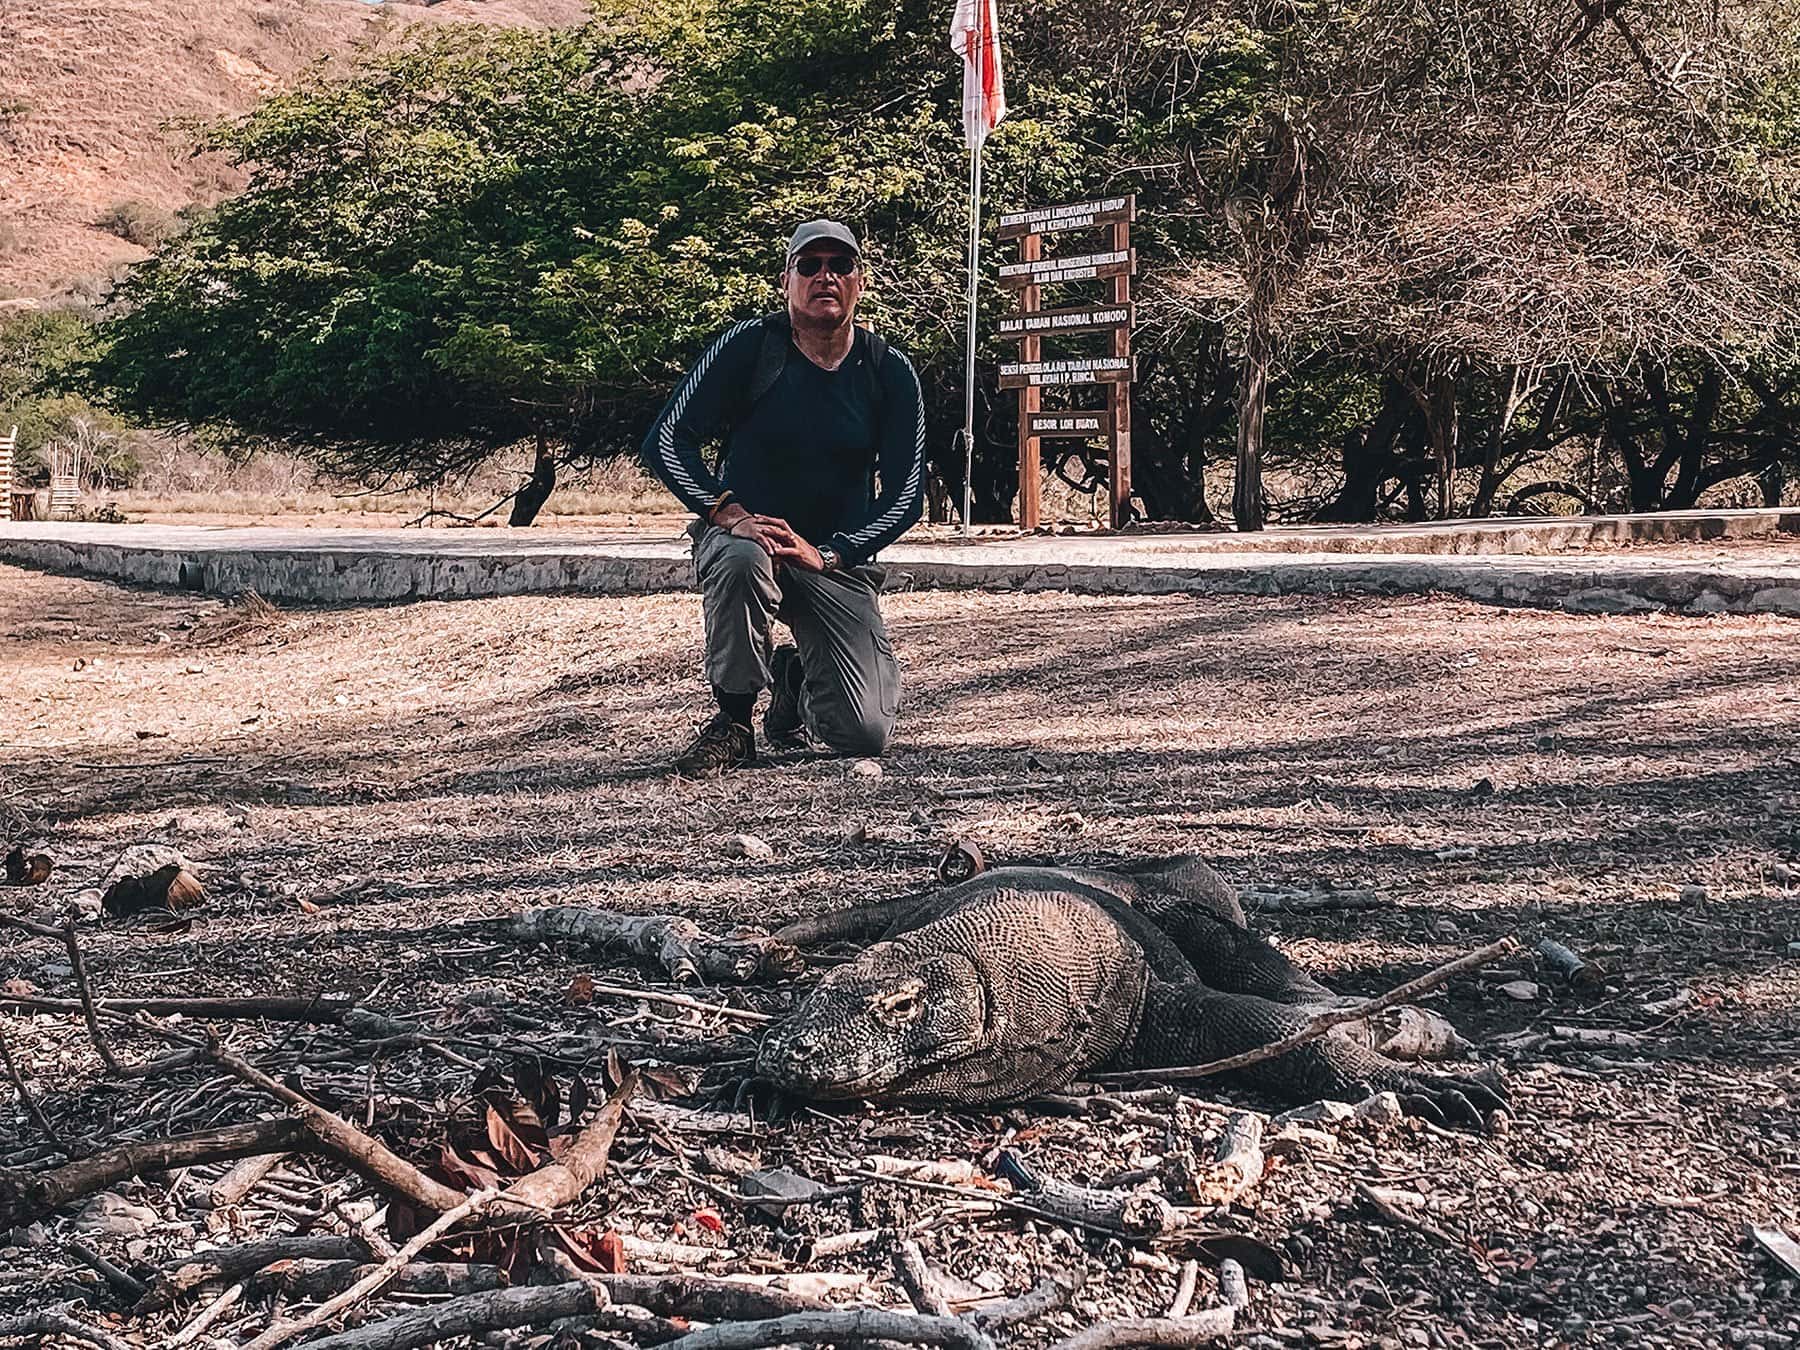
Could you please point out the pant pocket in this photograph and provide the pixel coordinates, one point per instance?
(887, 677)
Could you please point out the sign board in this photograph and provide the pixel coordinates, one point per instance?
(1080, 423)
(1077, 319)
(1075, 370)
(1074, 216)
(1109, 313)
(1081, 267)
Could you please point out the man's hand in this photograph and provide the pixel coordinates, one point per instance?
(800, 554)
(769, 533)
(779, 539)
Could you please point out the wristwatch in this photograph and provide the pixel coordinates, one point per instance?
(829, 557)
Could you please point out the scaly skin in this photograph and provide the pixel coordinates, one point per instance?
(1021, 980)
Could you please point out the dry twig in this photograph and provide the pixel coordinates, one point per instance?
(30, 1102)
(377, 1279)
(26, 1196)
(850, 1326)
(472, 1314)
(1174, 1333)
(56, 1322)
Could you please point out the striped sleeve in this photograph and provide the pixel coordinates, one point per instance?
(695, 415)
(901, 465)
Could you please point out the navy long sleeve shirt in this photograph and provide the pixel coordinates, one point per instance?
(842, 464)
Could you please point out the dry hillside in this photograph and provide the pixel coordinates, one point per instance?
(91, 92)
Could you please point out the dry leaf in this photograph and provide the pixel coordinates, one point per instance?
(581, 991)
(507, 1144)
(602, 1252)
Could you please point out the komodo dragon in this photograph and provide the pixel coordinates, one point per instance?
(1020, 980)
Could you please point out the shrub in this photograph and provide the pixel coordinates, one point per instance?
(142, 223)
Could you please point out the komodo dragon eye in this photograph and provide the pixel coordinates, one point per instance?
(898, 1006)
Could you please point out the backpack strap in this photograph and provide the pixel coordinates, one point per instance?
(771, 359)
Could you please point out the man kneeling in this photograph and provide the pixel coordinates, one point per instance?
(823, 464)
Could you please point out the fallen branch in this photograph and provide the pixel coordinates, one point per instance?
(325, 1009)
(1395, 1215)
(1175, 1333)
(915, 1277)
(678, 1001)
(242, 1179)
(211, 1313)
(1072, 1215)
(678, 945)
(26, 1197)
(1127, 1213)
(470, 1315)
(560, 1183)
(377, 1279)
(1185, 1286)
(231, 1264)
(1043, 1298)
(349, 1145)
(42, 930)
(1325, 1021)
(706, 1299)
(56, 1322)
(125, 1285)
(851, 1326)
(315, 1279)
(1237, 1163)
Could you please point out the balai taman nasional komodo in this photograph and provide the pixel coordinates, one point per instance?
(1022, 979)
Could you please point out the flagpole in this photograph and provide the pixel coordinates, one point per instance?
(969, 366)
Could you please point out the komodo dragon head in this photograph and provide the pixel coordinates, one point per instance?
(888, 1018)
(1010, 992)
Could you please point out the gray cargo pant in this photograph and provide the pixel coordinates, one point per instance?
(851, 693)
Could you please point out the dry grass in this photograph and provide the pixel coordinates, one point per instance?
(95, 88)
(181, 485)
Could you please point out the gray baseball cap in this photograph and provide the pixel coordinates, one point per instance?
(815, 230)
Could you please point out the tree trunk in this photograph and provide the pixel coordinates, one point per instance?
(1444, 434)
(1696, 440)
(1772, 480)
(1247, 505)
(531, 498)
(1367, 458)
(937, 499)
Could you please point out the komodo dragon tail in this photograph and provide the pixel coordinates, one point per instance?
(1188, 1024)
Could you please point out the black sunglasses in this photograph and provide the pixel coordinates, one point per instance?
(840, 263)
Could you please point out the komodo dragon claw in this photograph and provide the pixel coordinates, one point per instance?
(1452, 1101)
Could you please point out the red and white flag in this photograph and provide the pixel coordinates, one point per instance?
(975, 36)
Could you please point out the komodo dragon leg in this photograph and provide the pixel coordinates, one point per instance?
(1190, 1024)
(1230, 958)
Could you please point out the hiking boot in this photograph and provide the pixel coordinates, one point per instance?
(782, 727)
(721, 746)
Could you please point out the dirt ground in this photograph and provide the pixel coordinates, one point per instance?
(353, 783)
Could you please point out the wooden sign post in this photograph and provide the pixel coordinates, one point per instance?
(1032, 373)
